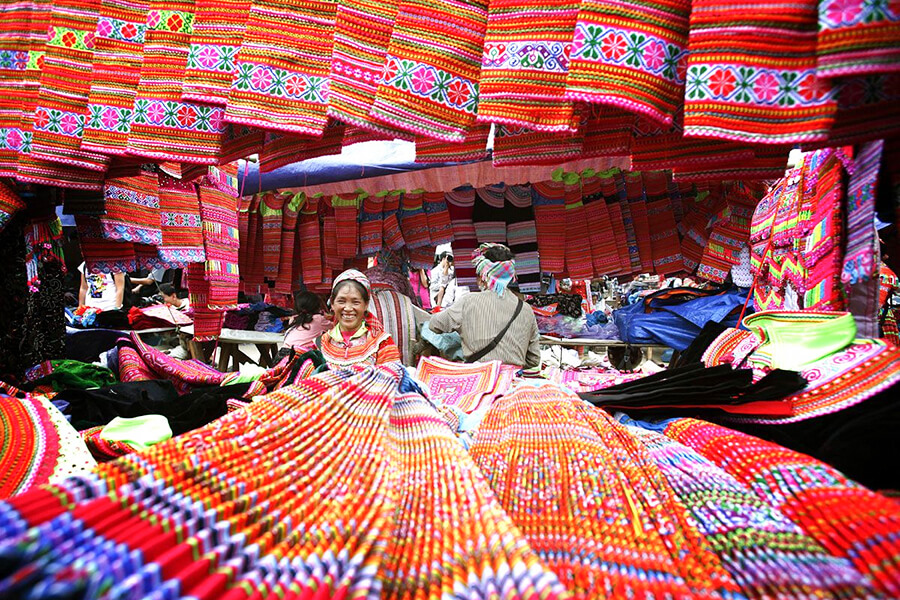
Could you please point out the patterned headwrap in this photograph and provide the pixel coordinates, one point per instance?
(353, 275)
(497, 275)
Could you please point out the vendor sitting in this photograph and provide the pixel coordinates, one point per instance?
(494, 324)
(170, 297)
(358, 337)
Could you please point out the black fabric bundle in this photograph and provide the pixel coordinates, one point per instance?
(568, 305)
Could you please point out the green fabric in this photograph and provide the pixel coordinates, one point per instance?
(139, 432)
(794, 340)
(76, 375)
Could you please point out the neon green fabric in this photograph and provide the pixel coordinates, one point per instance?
(794, 339)
(139, 432)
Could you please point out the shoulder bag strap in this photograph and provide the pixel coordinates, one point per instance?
(493, 344)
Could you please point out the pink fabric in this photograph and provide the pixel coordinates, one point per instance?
(300, 338)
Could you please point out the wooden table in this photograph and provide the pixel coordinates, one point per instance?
(229, 351)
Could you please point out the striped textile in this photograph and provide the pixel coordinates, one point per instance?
(391, 233)
(488, 214)
(549, 199)
(664, 241)
(10, 204)
(422, 257)
(271, 213)
(164, 126)
(521, 236)
(355, 135)
(65, 83)
(100, 254)
(132, 209)
(240, 142)
(115, 75)
(179, 213)
(460, 205)
(821, 252)
(281, 82)
(362, 33)
(440, 229)
(285, 283)
(730, 232)
(604, 255)
(310, 244)
(614, 203)
(16, 32)
(525, 64)
(219, 211)
(518, 146)
(579, 263)
(634, 187)
(395, 312)
(429, 85)
(633, 248)
(752, 78)
(346, 218)
(282, 149)
(472, 147)
(413, 220)
(632, 57)
(332, 262)
(861, 256)
(370, 224)
(215, 42)
(207, 322)
(251, 267)
(607, 132)
(768, 162)
(857, 38)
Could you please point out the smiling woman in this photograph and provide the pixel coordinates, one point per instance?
(357, 337)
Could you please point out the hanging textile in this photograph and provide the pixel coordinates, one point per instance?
(524, 66)
(460, 205)
(604, 255)
(767, 76)
(282, 149)
(102, 255)
(868, 109)
(207, 322)
(548, 198)
(240, 142)
(281, 82)
(634, 186)
(310, 245)
(332, 262)
(429, 85)
(215, 41)
(10, 204)
(132, 210)
(860, 258)
(607, 132)
(472, 147)
(821, 252)
(362, 33)
(634, 253)
(271, 213)
(857, 38)
(413, 220)
(252, 266)
(285, 283)
(115, 75)
(579, 264)
(370, 224)
(631, 58)
(521, 235)
(219, 211)
(488, 216)
(15, 51)
(179, 211)
(767, 162)
(664, 240)
(346, 219)
(519, 146)
(391, 233)
(614, 202)
(440, 229)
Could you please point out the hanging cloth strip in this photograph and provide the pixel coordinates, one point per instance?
(821, 252)
(461, 205)
(282, 149)
(549, 202)
(768, 75)
(413, 220)
(281, 83)
(524, 66)
(631, 57)
(860, 258)
(132, 209)
(488, 216)
(355, 135)
(271, 212)
(310, 245)
(663, 232)
(634, 254)
(207, 322)
(179, 212)
(15, 55)
(362, 33)
(65, 84)
(215, 41)
(219, 211)
(102, 255)
(440, 230)
(346, 218)
(614, 208)
(579, 264)
(115, 75)
(607, 132)
(767, 163)
(240, 142)
(10, 204)
(634, 186)
(472, 147)
(429, 85)
(370, 224)
(521, 235)
(857, 38)
(164, 127)
(391, 233)
(333, 263)
(252, 266)
(603, 252)
(519, 146)
(285, 283)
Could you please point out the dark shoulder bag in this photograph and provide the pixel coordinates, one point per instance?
(493, 344)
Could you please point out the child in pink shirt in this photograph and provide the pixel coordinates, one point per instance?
(308, 324)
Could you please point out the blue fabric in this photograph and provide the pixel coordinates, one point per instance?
(449, 344)
(598, 317)
(676, 325)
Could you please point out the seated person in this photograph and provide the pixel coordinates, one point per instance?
(104, 291)
(494, 324)
(358, 337)
(170, 297)
(309, 322)
(148, 286)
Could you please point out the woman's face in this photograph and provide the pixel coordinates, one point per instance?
(349, 308)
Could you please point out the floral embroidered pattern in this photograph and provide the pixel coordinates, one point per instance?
(65, 37)
(114, 192)
(281, 83)
(170, 20)
(212, 58)
(538, 56)
(178, 115)
(427, 81)
(109, 118)
(123, 31)
(59, 122)
(173, 219)
(755, 86)
(834, 14)
(642, 51)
